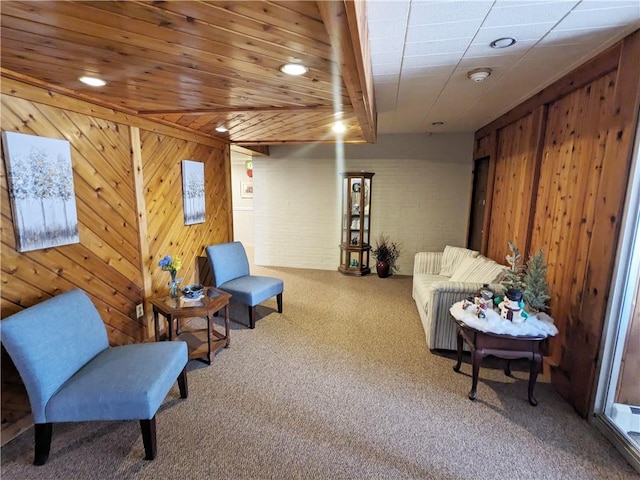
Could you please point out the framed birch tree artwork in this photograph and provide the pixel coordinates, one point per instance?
(40, 180)
(193, 191)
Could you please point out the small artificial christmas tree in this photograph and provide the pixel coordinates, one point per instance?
(514, 277)
(535, 291)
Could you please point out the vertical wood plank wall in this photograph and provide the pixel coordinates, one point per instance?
(577, 156)
(512, 189)
(112, 262)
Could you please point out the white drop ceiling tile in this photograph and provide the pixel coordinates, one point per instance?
(385, 96)
(423, 13)
(389, 9)
(494, 61)
(386, 121)
(385, 102)
(565, 52)
(521, 33)
(603, 18)
(437, 47)
(431, 60)
(412, 92)
(581, 35)
(527, 14)
(385, 29)
(484, 50)
(520, 3)
(417, 75)
(443, 31)
(386, 69)
(386, 79)
(601, 4)
(386, 45)
(381, 58)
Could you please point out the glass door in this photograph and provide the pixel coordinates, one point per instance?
(616, 409)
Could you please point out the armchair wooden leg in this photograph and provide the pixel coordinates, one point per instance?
(252, 317)
(148, 428)
(182, 383)
(43, 442)
(279, 300)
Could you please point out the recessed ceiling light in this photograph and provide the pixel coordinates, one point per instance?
(92, 81)
(221, 129)
(503, 42)
(339, 127)
(294, 69)
(479, 74)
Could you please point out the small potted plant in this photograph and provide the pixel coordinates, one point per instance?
(386, 253)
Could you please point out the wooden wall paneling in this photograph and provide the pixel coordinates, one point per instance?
(483, 146)
(513, 187)
(162, 156)
(570, 175)
(143, 237)
(618, 148)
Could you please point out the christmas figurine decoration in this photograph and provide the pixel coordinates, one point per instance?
(511, 306)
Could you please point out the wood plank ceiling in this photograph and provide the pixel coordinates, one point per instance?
(203, 64)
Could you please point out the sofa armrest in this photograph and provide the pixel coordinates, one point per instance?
(442, 328)
(427, 262)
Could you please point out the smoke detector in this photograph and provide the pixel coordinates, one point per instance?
(479, 74)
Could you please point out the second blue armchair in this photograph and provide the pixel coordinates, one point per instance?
(230, 268)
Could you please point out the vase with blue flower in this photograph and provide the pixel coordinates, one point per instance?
(172, 265)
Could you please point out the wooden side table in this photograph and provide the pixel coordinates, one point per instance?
(502, 346)
(202, 342)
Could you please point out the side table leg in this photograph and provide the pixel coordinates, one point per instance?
(460, 341)
(156, 324)
(507, 368)
(226, 326)
(209, 328)
(536, 361)
(476, 360)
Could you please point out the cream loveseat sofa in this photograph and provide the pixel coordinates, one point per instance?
(441, 279)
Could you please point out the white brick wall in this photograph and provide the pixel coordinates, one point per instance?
(420, 197)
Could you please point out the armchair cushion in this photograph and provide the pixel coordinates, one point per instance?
(146, 373)
(253, 289)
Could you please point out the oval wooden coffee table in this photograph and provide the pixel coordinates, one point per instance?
(508, 347)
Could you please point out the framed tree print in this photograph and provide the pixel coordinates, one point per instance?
(40, 180)
(193, 192)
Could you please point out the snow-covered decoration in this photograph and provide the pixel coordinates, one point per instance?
(539, 324)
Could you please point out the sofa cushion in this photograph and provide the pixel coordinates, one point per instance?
(451, 258)
(479, 270)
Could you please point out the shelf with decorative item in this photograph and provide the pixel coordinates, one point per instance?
(355, 234)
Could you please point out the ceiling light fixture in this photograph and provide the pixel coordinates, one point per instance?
(479, 74)
(339, 127)
(294, 69)
(221, 129)
(503, 42)
(92, 81)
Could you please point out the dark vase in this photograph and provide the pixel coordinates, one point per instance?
(383, 269)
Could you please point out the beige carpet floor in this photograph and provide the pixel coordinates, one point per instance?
(339, 386)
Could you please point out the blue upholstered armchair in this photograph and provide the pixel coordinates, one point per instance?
(230, 268)
(62, 353)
